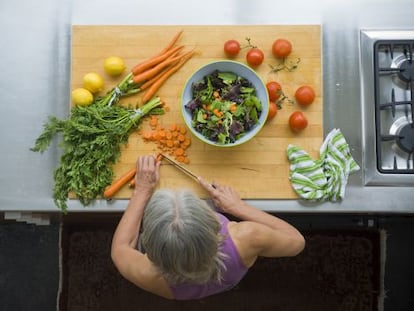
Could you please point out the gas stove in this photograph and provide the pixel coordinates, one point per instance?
(387, 71)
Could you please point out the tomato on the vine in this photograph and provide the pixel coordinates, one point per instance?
(272, 111)
(274, 89)
(281, 48)
(232, 48)
(298, 121)
(254, 57)
(305, 95)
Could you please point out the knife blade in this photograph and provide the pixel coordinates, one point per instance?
(179, 166)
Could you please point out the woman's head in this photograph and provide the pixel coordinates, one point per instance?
(181, 237)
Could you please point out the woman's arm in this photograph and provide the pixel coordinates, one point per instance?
(147, 176)
(134, 265)
(272, 236)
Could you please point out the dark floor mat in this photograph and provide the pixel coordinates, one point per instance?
(29, 266)
(338, 270)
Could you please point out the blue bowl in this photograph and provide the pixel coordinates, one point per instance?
(240, 70)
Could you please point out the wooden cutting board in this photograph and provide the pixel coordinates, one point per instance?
(258, 169)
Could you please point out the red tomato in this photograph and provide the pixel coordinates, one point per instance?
(254, 57)
(274, 89)
(272, 111)
(232, 48)
(281, 48)
(305, 95)
(298, 121)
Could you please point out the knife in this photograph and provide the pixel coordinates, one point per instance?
(179, 166)
(182, 168)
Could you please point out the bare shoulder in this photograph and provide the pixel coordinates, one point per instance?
(254, 239)
(138, 269)
(242, 234)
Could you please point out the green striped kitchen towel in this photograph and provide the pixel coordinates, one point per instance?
(326, 177)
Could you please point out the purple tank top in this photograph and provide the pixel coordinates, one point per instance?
(235, 270)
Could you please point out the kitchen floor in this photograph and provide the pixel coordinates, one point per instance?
(29, 258)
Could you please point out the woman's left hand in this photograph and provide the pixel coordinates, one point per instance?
(148, 173)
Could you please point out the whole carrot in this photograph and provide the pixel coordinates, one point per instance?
(172, 42)
(153, 61)
(163, 77)
(148, 74)
(119, 183)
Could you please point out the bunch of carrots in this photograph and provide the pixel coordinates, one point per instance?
(152, 73)
(149, 76)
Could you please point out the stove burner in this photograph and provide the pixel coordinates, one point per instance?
(402, 130)
(402, 68)
(407, 71)
(405, 138)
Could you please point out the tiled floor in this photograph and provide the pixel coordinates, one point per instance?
(29, 259)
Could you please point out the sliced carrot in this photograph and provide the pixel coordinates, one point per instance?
(180, 158)
(186, 143)
(173, 127)
(182, 129)
(168, 135)
(169, 140)
(146, 135)
(179, 151)
(153, 121)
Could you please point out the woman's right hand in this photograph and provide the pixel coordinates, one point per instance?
(224, 197)
(147, 175)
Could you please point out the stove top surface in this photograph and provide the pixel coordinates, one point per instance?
(394, 74)
(387, 71)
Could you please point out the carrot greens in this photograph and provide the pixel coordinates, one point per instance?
(91, 139)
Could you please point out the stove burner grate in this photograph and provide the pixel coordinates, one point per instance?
(394, 106)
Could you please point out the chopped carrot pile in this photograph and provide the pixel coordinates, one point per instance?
(172, 140)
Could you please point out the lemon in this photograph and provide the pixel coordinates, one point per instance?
(114, 65)
(82, 97)
(93, 82)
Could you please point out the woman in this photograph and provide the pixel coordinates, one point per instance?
(189, 250)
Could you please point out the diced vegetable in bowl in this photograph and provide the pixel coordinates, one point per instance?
(225, 103)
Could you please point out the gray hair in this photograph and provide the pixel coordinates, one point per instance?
(181, 236)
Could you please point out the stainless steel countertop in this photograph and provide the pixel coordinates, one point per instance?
(35, 78)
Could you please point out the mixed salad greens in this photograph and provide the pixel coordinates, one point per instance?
(224, 107)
